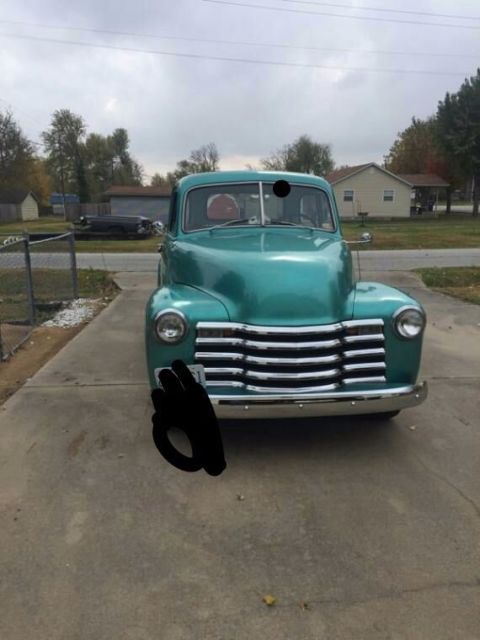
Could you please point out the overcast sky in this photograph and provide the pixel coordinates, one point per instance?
(171, 105)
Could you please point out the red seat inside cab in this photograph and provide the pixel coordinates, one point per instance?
(223, 207)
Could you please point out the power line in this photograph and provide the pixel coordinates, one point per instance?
(382, 9)
(340, 15)
(13, 107)
(237, 42)
(197, 56)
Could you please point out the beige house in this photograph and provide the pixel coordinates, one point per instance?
(18, 205)
(370, 188)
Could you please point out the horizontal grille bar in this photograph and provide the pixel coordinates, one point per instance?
(252, 329)
(260, 389)
(240, 357)
(253, 344)
(364, 366)
(363, 353)
(267, 330)
(271, 375)
(366, 379)
(376, 337)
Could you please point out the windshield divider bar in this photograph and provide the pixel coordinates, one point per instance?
(262, 207)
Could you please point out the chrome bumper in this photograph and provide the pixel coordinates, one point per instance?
(339, 403)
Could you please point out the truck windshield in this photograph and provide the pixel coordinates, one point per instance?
(236, 205)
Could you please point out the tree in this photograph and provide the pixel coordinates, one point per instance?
(108, 161)
(19, 166)
(303, 155)
(63, 144)
(98, 155)
(417, 150)
(39, 180)
(414, 148)
(16, 153)
(204, 159)
(125, 170)
(158, 180)
(458, 127)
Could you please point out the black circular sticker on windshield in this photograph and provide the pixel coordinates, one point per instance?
(281, 188)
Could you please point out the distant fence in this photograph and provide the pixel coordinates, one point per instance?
(75, 210)
(8, 213)
(36, 278)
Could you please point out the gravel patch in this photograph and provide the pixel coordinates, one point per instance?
(74, 313)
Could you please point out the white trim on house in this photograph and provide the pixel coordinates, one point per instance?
(368, 166)
(352, 191)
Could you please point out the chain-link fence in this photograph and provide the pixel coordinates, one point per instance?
(17, 310)
(37, 275)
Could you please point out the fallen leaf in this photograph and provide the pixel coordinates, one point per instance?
(304, 606)
(412, 427)
(269, 600)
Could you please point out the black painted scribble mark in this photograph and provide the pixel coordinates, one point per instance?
(281, 188)
(184, 404)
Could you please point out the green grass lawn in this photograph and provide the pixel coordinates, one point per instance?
(459, 282)
(50, 285)
(435, 233)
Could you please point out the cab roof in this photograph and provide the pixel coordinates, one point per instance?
(215, 177)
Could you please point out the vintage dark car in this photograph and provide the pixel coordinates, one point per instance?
(113, 226)
(257, 295)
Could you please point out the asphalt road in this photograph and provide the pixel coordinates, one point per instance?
(374, 526)
(381, 260)
(369, 260)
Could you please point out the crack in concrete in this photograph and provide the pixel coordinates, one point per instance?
(449, 483)
(389, 595)
(462, 378)
(83, 385)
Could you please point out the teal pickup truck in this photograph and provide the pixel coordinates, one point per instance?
(257, 295)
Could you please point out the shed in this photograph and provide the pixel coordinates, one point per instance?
(18, 205)
(426, 188)
(151, 202)
(371, 188)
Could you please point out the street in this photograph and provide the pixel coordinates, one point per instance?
(381, 260)
(359, 529)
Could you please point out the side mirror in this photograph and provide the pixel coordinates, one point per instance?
(366, 237)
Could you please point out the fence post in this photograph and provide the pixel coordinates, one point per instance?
(28, 267)
(1, 347)
(73, 264)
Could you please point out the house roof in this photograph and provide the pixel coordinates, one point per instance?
(149, 192)
(347, 172)
(423, 179)
(341, 174)
(15, 196)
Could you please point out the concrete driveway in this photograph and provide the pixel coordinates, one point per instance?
(375, 527)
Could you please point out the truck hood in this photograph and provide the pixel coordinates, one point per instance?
(272, 276)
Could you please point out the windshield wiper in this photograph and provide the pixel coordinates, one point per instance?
(233, 222)
(290, 224)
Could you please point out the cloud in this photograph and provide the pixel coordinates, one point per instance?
(172, 105)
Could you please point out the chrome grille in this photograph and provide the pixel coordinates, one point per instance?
(291, 359)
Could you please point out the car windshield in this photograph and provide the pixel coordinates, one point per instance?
(236, 205)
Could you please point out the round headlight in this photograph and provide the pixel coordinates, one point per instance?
(409, 322)
(170, 326)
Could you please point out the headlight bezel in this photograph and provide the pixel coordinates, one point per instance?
(170, 312)
(396, 321)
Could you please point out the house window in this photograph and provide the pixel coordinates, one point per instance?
(388, 195)
(348, 195)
